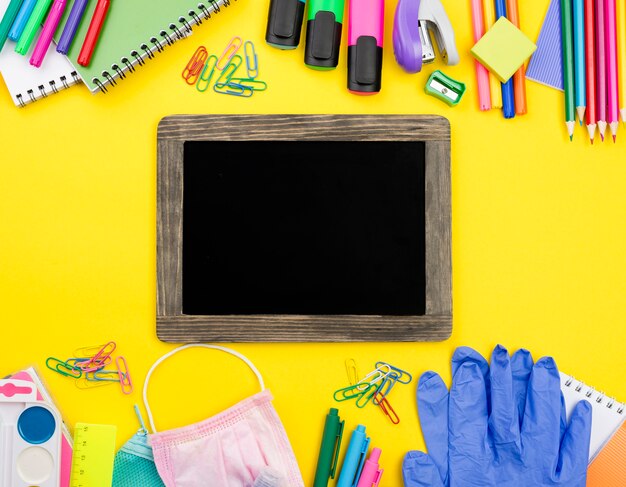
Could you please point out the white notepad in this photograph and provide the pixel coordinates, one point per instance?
(27, 83)
(607, 413)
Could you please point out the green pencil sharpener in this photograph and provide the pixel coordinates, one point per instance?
(448, 90)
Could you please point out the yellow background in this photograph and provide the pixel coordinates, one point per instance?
(538, 227)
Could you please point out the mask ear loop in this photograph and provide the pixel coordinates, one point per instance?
(180, 349)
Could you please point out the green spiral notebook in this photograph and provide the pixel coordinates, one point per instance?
(134, 32)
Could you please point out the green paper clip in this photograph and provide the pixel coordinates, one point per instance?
(204, 82)
(445, 88)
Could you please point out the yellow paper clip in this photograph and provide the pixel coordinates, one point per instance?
(204, 81)
(87, 352)
(231, 49)
(194, 66)
(352, 371)
(252, 64)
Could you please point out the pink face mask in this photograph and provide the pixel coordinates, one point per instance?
(235, 448)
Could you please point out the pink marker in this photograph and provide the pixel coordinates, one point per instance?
(482, 75)
(610, 21)
(366, 20)
(601, 67)
(49, 28)
(371, 474)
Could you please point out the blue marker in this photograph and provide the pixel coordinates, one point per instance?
(22, 18)
(508, 97)
(580, 73)
(355, 458)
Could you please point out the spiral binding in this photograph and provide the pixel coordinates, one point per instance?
(601, 398)
(157, 44)
(43, 90)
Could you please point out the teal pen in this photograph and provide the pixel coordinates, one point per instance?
(7, 20)
(22, 17)
(580, 72)
(32, 26)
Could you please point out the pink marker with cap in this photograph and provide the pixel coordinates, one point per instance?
(371, 473)
(366, 19)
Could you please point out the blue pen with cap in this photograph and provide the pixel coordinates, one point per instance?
(355, 458)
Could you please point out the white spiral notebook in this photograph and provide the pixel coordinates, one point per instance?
(27, 83)
(607, 413)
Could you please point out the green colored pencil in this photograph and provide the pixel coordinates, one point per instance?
(568, 64)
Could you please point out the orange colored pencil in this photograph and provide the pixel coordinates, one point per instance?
(519, 78)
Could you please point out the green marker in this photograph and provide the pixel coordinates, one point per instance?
(329, 450)
(32, 26)
(323, 34)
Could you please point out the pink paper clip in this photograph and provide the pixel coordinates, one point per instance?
(231, 49)
(100, 359)
(126, 382)
(90, 366)
(195, 65)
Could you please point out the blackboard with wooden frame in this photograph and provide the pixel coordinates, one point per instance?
(175, 326)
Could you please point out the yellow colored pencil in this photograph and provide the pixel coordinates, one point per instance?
(621, 56)
(495, 88)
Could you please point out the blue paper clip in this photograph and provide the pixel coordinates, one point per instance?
(404, 378)
(252, 69)
(233, 89)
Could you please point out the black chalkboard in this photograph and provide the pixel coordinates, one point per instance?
(304, 228)
(298, 228)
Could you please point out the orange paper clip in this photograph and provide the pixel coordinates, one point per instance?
(231, 49)
(194, 67)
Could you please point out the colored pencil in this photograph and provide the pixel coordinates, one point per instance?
(508, 98)
(519, 78)
(600, 68)
(590, 58)
(567, 44)
(611, 61)
(489, 10)
(621, 53)
(579, 59)
(482, 75)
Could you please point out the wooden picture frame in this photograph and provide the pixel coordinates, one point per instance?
(174, 326)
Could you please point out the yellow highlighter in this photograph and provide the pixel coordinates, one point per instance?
(494, 85)
(621, 56)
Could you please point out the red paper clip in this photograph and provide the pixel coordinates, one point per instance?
(386, 408)
(195, 65)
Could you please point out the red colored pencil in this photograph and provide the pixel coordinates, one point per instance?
(590, 57)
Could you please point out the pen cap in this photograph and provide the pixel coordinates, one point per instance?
(365, 45)
(284, 23)
(355, 456)
(329, 449)
(323, 33)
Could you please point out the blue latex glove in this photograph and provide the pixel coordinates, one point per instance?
(500, 425)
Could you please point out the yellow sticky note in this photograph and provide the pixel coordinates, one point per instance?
(503, 49)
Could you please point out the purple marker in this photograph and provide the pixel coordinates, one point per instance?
(71, 26)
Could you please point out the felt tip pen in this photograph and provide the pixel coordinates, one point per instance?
(284, 23)
(329, 449)
(508, 97)
(323, 34)
(71, 26)
(32, 26)
(366, 19)
(355, 458)
(49, 28)
(7, 20)
(93, 33)
(20, 20)
(371, 474)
